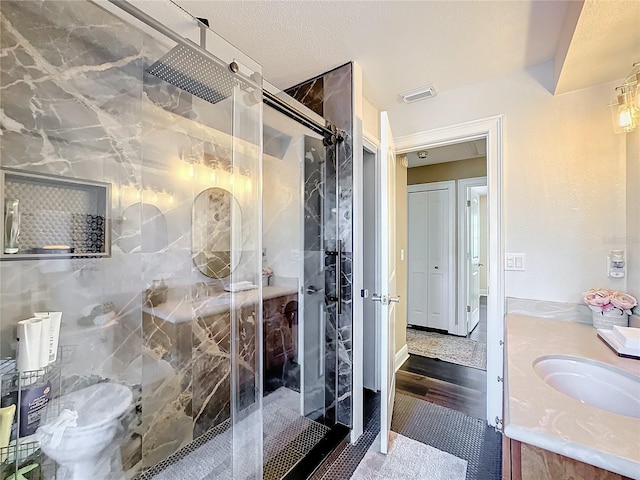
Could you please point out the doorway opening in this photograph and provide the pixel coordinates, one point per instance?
(371, 270)
(445, 238)
(487, 130)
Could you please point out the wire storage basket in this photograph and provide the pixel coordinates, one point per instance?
(22, 458)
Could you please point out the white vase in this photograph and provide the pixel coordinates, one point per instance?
(608, 319)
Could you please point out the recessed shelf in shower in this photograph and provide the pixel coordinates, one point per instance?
(60, 217)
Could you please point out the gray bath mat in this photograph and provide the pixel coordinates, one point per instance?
(449, 348)
(409, 460)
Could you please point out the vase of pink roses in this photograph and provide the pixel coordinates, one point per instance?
(608, 307)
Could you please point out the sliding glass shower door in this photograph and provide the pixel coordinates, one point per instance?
(299, 243)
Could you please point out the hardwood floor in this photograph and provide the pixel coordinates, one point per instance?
(447, 384)
(479, 334)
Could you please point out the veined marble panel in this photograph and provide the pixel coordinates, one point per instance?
(310, 93)
(328, 216)
(338, 110)
(71, 84)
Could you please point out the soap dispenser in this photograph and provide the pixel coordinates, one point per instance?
(616, 264)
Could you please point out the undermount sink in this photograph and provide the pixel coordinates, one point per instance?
(593, 383)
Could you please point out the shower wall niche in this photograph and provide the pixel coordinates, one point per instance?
(58, 216)
(82, 115)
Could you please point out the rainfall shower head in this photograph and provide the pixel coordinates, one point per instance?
(197, 74)
(191, 67)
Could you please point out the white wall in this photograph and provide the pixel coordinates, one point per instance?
(564, 176)
(370, 120)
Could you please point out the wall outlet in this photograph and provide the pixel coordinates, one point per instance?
(515, 262)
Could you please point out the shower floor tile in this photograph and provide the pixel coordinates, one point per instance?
(287, 438)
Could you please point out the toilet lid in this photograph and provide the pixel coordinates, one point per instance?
(98, 404)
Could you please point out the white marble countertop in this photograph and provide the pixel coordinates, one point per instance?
(183, 310)
(539, 415)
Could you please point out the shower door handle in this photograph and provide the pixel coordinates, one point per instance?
(339, 276)
(338, 271)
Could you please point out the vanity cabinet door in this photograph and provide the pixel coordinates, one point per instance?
(278, 328)
(278, 342)
(522, 461)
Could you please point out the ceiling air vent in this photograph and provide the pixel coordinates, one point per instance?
(421, 93)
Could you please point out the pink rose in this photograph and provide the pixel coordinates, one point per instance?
(607, 307)
(623, 301)
(598, 297)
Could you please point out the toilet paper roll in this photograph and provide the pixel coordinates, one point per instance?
(29, 340)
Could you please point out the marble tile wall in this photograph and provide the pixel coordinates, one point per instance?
(77, 102)
(335, 90)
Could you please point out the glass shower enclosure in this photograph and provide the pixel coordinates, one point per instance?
(184, 236)
(134, 154)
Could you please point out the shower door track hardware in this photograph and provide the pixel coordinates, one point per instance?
(283, 107)
(176, 37)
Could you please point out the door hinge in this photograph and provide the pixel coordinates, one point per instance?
(500, 379)
(498, 424)
(468, 308)
(364, 293)
(468, 203)
(501, 342)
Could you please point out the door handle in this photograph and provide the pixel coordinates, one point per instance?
(436, 267)
(376, 298)
(311, 290)
(480, 264)
(394, 299)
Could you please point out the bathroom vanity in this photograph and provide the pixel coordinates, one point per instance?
(193, 337)
(549, 435)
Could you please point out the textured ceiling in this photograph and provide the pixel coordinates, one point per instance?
(403, 45)
(449, 153)
(604, 45)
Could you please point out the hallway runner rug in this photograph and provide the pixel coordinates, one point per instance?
(448, 348)
(409, 460)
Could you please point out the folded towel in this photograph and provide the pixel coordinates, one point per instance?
(629, 337)
(240, 286)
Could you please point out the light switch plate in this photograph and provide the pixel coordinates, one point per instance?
(515, 262)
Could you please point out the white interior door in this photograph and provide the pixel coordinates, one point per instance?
(473, 258)
(417, 259)
(430, 255)
(438, 238)
(386, 296)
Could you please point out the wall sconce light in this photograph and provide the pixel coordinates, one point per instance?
(625, 108)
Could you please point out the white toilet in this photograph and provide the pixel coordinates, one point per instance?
(91, 449)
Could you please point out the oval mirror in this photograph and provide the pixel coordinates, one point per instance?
(136, 217)
(216, 233)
